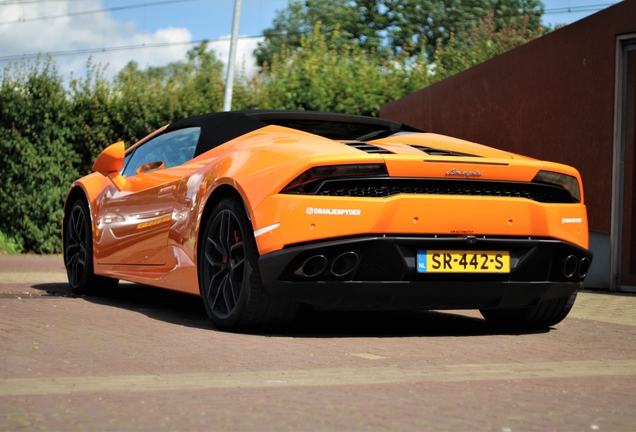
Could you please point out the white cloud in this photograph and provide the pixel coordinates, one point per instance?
(245, 60)
(98, 30)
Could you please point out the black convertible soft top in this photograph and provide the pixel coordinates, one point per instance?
(219, 128)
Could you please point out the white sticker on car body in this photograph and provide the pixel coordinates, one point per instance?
(571, 220)
(333, 211)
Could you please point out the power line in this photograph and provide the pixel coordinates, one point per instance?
(166, 44)
(116, 48)
(584, 8)
(554, 11)
(19, 2)
(71, 14)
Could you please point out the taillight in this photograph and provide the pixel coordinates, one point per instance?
(311, 178)
(571, 184)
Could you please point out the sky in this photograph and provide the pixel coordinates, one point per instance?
(156, 32)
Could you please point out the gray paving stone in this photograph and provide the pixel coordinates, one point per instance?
(146, 359)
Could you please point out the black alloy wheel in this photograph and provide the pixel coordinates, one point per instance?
(76, 244)
(229, 277)
(225, 268)
(78, 252)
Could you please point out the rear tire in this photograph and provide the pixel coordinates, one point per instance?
(78, 252)
(543, 315)
(229, 276)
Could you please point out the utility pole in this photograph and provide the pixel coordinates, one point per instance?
(229, 80)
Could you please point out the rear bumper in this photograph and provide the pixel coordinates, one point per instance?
(419, 296)
(310, 218)
(385, 276)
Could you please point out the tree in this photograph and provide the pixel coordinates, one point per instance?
(417, 21)
(331, 73)
(36, 164)
(361, 21)
(156, 96)
(479, 44)
(91, 116)
(387, 26)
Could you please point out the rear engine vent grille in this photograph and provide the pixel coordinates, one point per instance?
(437, 152)
(368, 148)
(385, 187)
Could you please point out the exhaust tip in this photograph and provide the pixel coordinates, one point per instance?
(312, 266)
(584, 267)
(569, 266)
(344, 264)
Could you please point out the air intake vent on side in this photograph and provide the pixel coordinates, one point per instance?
(368, 148)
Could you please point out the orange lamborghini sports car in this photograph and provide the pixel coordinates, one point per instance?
(261, 211)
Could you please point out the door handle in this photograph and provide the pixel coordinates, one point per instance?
(168, 190)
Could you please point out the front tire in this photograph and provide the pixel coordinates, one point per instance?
(78, 252)
(229, 276)
(543, 315)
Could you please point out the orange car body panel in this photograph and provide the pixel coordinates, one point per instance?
(145, 229)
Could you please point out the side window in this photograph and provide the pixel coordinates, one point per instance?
(172, 148)
(126, 160)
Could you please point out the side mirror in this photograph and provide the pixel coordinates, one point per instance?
(111, 159)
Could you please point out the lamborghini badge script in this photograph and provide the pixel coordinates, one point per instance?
(466, 174)
(336, 212)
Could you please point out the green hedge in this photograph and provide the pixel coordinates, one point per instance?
(50, 133)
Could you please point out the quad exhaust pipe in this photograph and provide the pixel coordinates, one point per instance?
(312, 266)
(572, 265)
(569, 266)
(584, 267)
(342, 265)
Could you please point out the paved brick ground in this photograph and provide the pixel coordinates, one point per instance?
(148, 359)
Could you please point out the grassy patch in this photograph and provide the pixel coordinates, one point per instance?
(9, 245)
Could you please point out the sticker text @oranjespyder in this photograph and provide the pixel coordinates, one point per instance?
(334, 212)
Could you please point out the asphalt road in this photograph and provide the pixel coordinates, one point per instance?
(147, 359)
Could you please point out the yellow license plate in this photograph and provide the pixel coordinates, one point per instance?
(441, 261)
